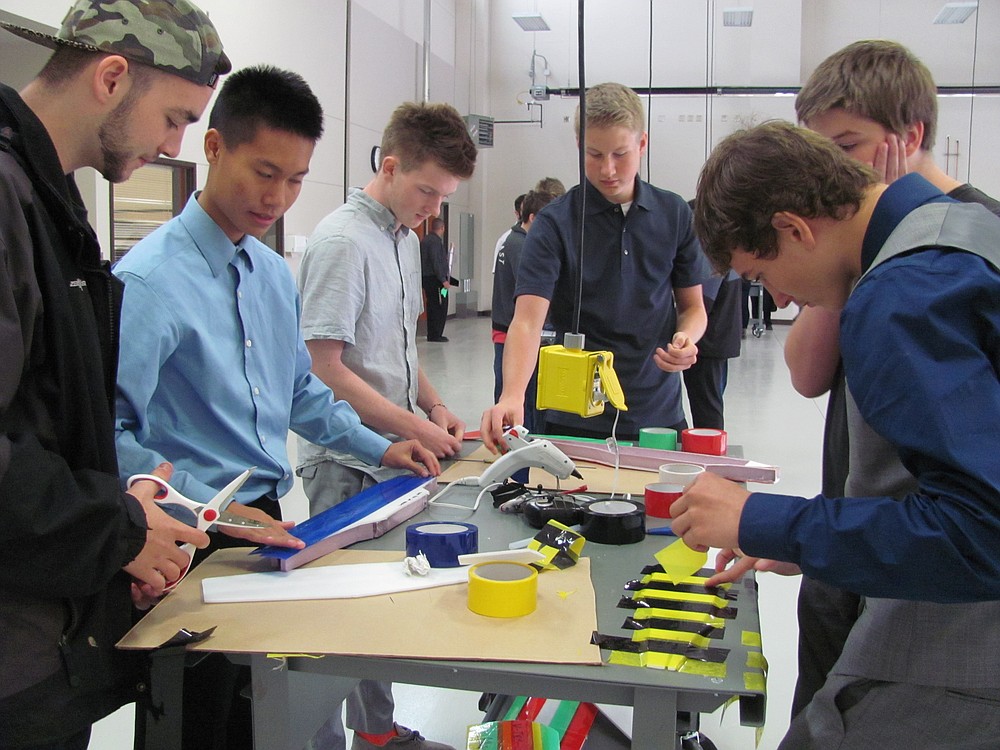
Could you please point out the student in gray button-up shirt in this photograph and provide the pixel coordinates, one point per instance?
(360, 285)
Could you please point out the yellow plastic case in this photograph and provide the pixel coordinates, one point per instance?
(577, 381)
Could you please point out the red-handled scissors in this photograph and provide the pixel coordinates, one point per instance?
(199, 515)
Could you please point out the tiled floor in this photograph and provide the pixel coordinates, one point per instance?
(763, 414)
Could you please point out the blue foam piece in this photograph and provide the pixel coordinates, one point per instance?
(339, 517)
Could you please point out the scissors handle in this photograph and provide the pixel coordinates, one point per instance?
(206, 514)
(164, 491)
(189, 511)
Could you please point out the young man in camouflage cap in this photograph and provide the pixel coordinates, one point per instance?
(125, 80)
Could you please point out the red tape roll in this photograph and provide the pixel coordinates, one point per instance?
(708, 442)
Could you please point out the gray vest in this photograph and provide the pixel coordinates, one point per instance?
(947, 645)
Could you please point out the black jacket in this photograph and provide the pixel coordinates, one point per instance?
(505, 278)
(433, 258)
(66, 528)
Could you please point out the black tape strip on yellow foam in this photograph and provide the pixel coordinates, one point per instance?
(684, 626)
(703, 573)
(559, 542)
(552, 536)
(638, 584)
(727, 613)
(618, 643)
(561, 560)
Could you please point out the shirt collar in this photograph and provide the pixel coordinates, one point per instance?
(382, 217)
(901, 197)
(28, 136)
(217, 249)
(597, 203)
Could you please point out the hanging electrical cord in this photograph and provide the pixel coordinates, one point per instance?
(581, 46)
(972, 104)
(615, 448)
(709, 77)
(649, 96)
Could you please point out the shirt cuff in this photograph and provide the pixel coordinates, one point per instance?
(368, 446)
(134, 535)
(765, 526)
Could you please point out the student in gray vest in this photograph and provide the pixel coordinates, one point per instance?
(916, 278)
(877, 101)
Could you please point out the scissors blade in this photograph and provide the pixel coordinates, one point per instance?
(231, 519)
(189, 517)
(217, 504)
(226, 495)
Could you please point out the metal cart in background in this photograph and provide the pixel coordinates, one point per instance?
(757, 319)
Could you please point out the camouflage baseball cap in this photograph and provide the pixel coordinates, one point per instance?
(172, 35)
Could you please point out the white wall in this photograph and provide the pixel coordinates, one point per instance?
(479, 62)
(691, 47)
(311, 37)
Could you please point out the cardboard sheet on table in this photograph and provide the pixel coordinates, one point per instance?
(430, 624)
(597, 478)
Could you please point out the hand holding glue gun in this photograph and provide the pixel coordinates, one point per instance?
(523, 452)
(679, 355)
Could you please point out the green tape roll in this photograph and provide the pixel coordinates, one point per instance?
(663, 438)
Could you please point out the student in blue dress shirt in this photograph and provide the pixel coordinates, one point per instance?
(213, 370)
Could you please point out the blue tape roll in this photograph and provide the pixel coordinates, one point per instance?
(442, 541)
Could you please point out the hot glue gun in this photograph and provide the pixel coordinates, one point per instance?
(524, 451)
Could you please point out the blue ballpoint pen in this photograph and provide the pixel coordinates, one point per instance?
(661, 531)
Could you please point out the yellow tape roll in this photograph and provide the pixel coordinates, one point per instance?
(503, 589)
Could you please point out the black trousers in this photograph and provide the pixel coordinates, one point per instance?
(704, 382)
(217, 716)
(437, 307)
(562, 429)
(826, 615)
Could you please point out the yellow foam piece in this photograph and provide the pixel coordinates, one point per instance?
(692, 580)
(680, 561)
(670, 662)
(678, 614)
(680, 636)
(678, 596)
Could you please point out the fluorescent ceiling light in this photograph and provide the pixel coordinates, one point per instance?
(737, 17)
(531, 21)
(956, 12)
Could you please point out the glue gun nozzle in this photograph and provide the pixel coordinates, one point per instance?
(576, 474)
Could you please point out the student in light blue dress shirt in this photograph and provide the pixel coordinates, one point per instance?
(213, 369)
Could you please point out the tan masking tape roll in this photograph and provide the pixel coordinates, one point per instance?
(503, 589)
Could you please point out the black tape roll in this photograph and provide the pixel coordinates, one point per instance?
(613, 522)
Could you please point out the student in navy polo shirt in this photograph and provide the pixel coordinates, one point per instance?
(640, 258)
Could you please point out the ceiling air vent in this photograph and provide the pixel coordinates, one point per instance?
(481, 130)
(956, 12)
(531, 21)
(741, 17)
